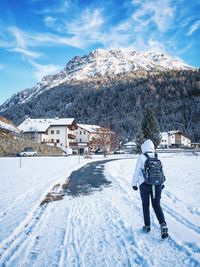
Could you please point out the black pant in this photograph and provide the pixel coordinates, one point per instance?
(146, 192)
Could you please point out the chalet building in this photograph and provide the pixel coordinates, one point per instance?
(58, 132)
(92, 137)
(174, 139)
(164, 140)
(130, 146)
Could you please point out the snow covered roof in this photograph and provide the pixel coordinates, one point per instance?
(164, 134)
(132, 143)
(173, 132)
(89, 128)
(41, 125)
(6, 125)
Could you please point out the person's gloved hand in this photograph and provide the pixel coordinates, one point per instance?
(163, 186)
(135, 188)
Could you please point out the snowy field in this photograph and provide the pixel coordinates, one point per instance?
(102, 229)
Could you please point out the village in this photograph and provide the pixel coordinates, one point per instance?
(65, 136)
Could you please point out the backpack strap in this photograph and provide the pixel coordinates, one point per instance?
(147, 155)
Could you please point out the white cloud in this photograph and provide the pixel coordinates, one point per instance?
(88, 24)
(49, 21)
(44, 70)
(20, 37)
(155, 45)
(60, 7)
(159, 12)
(195, 26)
(26, 52)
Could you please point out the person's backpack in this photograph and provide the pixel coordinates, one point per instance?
(153, 173)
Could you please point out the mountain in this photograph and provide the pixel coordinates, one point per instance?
(111, 88)
(98, 63)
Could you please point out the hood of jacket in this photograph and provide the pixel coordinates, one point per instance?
(147, 146)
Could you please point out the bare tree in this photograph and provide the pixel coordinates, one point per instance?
(103, 139)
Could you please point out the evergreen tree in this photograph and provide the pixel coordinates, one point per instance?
(149, 129)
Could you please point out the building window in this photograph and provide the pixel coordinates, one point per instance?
(57, 141)
(80, 132)
(84, 132)
(57, 131)
(52, 131)
(80, 140)
(52, 140)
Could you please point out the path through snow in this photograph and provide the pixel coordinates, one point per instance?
(101, 229)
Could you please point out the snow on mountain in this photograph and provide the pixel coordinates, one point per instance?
(8, 126)
(98, 63)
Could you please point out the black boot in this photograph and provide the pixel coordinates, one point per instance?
(164, 230)
(146, 229)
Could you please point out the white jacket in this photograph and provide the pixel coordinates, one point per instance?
(148, 147)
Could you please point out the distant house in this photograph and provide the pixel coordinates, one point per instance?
(92, 137)
(174, 139)
(130, 146)
(195, 145)
(164, 140)
(57, 131)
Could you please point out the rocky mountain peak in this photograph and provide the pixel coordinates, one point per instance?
(100, 62)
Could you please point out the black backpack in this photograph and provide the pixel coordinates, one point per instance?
(153, 173)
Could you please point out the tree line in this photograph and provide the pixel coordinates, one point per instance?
(118, 101)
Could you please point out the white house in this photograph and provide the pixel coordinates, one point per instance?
(164, 140)
(84, 134)
(130, 146)
(174, 139)
(178, 139)
(92, 137)
(57, 131)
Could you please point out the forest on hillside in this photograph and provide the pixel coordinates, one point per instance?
(118, 101)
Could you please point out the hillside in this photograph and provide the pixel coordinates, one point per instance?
(98, 63)
(117, 101)
(111, 88)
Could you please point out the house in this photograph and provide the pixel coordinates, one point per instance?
(57, 131)
(195, 145)
(92, 137)
(178, 139)
(164, 140)
(130, 146)
(174, 139)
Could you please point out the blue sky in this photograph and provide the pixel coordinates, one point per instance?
(38, 37)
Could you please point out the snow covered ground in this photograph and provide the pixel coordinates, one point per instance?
(100, 229)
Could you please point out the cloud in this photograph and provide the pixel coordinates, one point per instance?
(87, 28)
(195, 26)
(155, 45)
(50, 21)
(20, 44)
(61, 7)
(20, 37)
(158, 12)
(44, 70)
(26, 52)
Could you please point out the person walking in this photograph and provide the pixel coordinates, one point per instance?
(146, 192)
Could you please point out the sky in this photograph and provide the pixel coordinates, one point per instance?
(39, 37)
